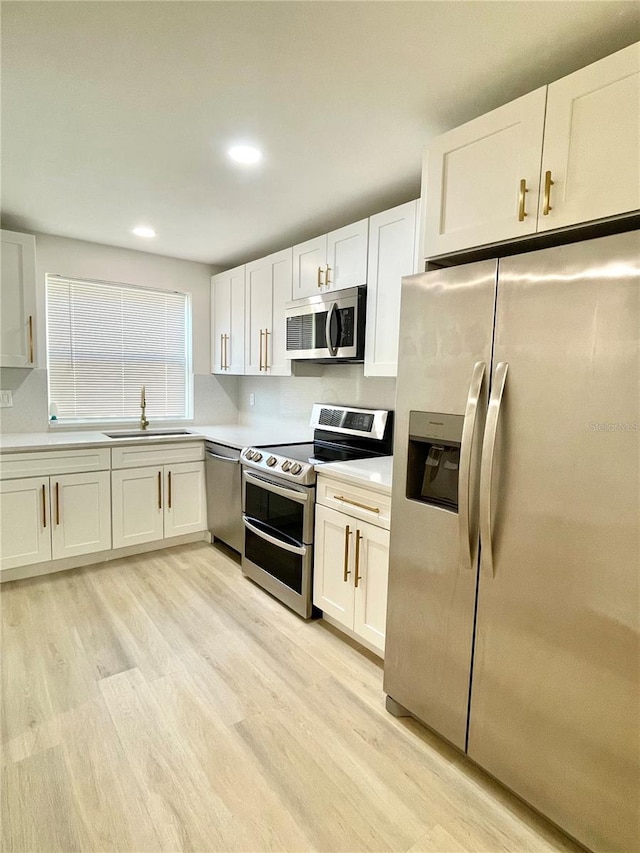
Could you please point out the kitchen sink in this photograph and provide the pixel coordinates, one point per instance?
(147, 433)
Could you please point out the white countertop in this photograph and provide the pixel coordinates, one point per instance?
(374, 473)
(231, 435)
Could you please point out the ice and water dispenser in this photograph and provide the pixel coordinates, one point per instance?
(434, 458)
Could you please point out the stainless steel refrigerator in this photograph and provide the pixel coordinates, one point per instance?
(514, 584)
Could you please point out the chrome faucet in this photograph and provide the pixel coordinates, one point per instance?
(144, 423)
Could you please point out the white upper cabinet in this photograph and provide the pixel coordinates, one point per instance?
(309, 265)
(347, 256)
(227, 321)
(392, 237)
(18, 299)
(481, 180)
(592, 143)
(517, 170)
(267, 290)
(334, 261)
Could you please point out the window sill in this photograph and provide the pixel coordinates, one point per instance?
(101, 426)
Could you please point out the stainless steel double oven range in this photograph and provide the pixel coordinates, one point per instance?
(278, 497)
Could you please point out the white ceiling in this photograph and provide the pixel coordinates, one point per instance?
(119, 113)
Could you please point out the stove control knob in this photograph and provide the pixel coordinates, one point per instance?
(296, 468)
(286, 465)
(257, 456)
(271, 461)
(249, 454)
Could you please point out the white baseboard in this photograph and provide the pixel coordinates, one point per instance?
(51, 566)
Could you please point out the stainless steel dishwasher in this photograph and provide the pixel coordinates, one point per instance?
(224, 499)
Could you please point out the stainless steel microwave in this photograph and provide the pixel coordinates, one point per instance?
(328, 327)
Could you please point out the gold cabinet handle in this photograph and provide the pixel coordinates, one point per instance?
(347, 534)
(266, 349)
(261, 334)
(169, 496)
(44, 506)
(548, 183)
(159, 489)
(57, 503)
(221, 352)
(30, 339)
(521, 206)
(326, 275)
(355, 503)
(226, 352)
(358, 576)
(319, 279)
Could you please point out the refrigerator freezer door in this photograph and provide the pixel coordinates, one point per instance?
(555, 697)
(445, 331)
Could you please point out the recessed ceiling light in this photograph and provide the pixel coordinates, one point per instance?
(143, 231)
(246, 154)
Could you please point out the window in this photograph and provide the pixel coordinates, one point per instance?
(106, 340)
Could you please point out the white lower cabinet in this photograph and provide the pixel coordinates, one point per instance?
(49, 518)
(138, 515)
(157, 502)
(185, 508)
(80, 514)
(25, 524)
(351, 574)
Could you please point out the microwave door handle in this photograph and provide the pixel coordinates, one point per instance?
(332, 312)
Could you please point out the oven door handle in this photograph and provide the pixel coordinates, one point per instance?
(269, 486)
(294, 549)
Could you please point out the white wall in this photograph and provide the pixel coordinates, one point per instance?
(215, 398)
(291, 398)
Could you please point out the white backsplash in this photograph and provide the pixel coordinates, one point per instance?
(215, 400)
(290, 398)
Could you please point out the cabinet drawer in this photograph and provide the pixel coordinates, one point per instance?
(156, 454)
(40, 463)
(365, 504)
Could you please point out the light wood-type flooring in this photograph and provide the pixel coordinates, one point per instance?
(164, 702)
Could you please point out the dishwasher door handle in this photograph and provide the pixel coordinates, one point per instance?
(222, 458)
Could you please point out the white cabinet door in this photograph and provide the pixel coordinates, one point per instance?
(268, 289)
(592, 142)
(347, 256)
(258, 314)
(472, 178)
(333, 578)
(17, 300)
(25, 522)
(309, 267)
(391, 255)
(137, 505)
(80, 514)
(185, 499)
(370, 600)
(227, 322)
(277, 364)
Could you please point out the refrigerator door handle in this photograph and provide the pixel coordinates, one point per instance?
(486, 465)
(467, 555)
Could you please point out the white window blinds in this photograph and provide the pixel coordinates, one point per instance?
(106, 340)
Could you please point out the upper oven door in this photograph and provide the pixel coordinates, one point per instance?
(327, 326)
(281, 510)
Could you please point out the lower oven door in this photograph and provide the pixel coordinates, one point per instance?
(278, 529)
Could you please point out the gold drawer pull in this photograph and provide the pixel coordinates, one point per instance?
(159, 489)
(548, 183)
(44, 506)
(355, 503)
(57, 503)
(347, 534)
(521, 208)
(30, 339)
(358, 576)
(169, 489)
